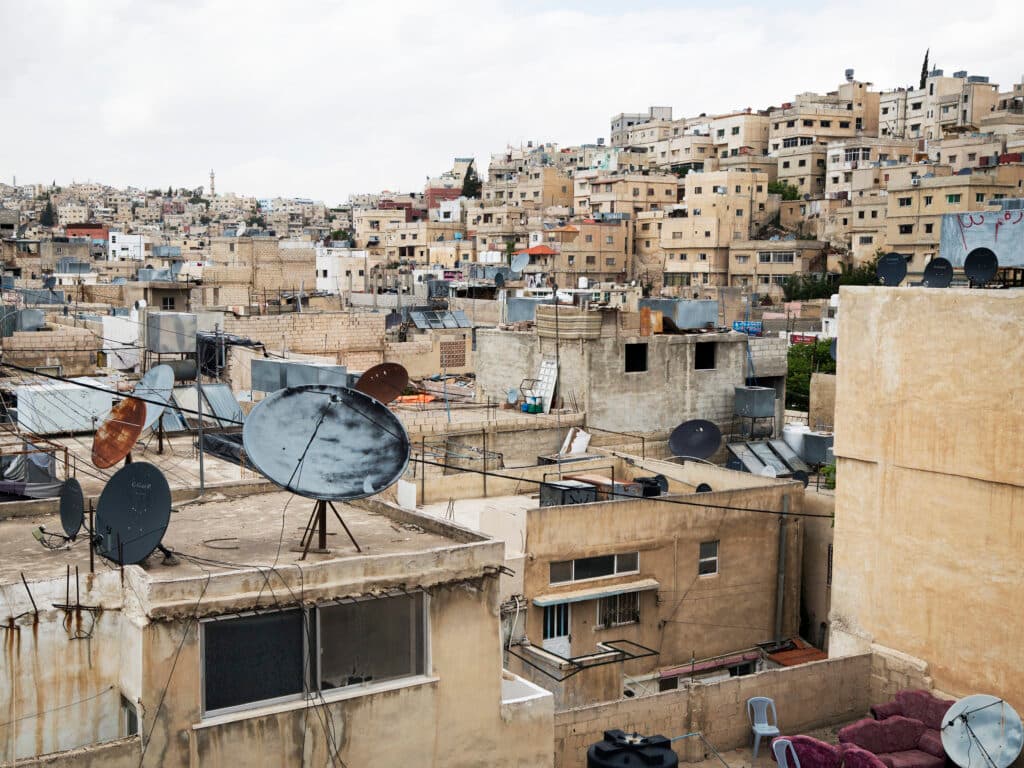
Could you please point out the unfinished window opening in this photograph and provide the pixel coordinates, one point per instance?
(636, 358)
(704, 355)
(708, 561)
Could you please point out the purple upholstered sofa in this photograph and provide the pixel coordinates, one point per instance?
(813, 753)
(899, 742)
(858, 757)
(918, 705)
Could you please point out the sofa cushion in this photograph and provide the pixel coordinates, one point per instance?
(921, 705)
(894, 734)
(857, 757)
(912, 758)
(813, 753)
(931, 742)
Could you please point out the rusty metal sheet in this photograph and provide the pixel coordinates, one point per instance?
(118, 434)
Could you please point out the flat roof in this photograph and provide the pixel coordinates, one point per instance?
(242, 531)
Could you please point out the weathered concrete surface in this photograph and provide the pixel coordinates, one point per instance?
(822, 410)
(930, 486)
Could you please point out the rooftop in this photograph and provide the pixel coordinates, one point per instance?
(249, 528)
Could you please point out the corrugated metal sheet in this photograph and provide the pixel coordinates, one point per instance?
(223, 404)
(428, 319)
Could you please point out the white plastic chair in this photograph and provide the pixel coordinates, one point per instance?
(785, 753)
(757, 714)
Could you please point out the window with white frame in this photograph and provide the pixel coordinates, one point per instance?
(602, 566)
(618, 610)
(707, 564)
(290, 654)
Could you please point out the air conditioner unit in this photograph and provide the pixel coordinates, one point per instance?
(915, 182)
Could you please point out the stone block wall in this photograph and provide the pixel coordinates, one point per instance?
(355, 337)
(73, 349)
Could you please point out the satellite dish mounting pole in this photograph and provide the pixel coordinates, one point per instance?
(199, 408)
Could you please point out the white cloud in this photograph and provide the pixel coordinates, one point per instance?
(324, 98)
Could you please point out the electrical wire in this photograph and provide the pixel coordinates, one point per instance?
(55, 709)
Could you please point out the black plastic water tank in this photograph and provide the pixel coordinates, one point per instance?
(630, 749)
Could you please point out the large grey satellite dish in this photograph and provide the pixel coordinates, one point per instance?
(327, 443)
(520, 262)
(938, 273)
(891, 269)
(132, 513)
(982, 731)
(72, 507)
(698, 439)
(981, 265)
(157, 385)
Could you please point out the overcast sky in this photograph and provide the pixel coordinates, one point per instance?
(322, 99)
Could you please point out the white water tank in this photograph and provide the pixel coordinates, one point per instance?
(793, 436)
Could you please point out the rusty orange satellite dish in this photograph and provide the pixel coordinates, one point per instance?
(118, 434)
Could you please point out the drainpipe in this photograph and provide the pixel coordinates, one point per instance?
(780, 587)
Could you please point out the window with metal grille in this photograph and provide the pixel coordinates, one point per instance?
(617, 610)
(453, 354)
(707, 563)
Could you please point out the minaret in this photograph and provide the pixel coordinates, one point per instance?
(213, 189)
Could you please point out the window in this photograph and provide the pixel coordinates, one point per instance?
(735, 130)
(802, 162)
(697, 190)
(928, 228)
(826, 123)
(927, 199)
(739, 212)
(704, 355)
(828, 572)
(860, 214)
(785, 163)
(598, 567)
(742, 259)
(609, 239)
(588, 238)
(617, 610)
(702, 256)
(167, 303)
(556, 621)
(866, 239)
(952, 199)
(764, 258)
(707, 563)
(636, 357)
(591, 260)
(291, 653)
(905, 202)
(979, 197)
(130, 718)
(844, 123)
(808, 123)
(874, 214)
(906, 229)
(915, 105)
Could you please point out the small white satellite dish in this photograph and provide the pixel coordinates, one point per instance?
(982, 731)
(140, 304)
(520, 262)
(240, 231)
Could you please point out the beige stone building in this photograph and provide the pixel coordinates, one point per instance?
(600, 250)
(803, 167)
(914, 210)
(740, 133)
(967, 150)
(854, 166)
(812, 118)
(945, 102)
(629, 193)
(929, 491)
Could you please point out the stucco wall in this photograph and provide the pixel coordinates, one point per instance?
(807, 696)
(822, 410)
(930, 492)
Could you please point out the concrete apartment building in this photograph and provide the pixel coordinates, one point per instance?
(721, 206)
(220, 665)
(122, 246)
(967, 150)
(621, 123)
(914, 210)
(629, 193)
(600, 250)
(342, 269)
(928, 485)
(853, 168)
(740, 133)
(945, 102)
(764, 265)
(535, 187)
(814, 118)
(803, 167)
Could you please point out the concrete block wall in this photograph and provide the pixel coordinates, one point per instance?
(74, 349)
(769, 354)
(806, 696)
(315, 333)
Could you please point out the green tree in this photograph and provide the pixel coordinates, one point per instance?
(341, 234)
(924, 68)
(471, 184)
(788, 191)
(865, 274)
(170, 192)
(805, 359)
(46, 218)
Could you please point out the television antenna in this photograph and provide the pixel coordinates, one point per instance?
(326, 443)
(982, 731)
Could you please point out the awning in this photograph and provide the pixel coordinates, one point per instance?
(595, 593)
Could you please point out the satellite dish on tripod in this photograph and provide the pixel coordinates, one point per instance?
(891, 269)
(697, 439)
(72, 508)
(499, 280)
(132, 514)
(326, 443)
(383, 382)
(118, 434)
(49, 282)
(520, 262)
(982, 731)
(980, 265)
(156, 385)
(938, 273)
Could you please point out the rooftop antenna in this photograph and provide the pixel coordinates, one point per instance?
(326, 443)
(132, 514)
(697, 438)
(980, 266)
(938, 273)
(116, 436)
(383, 382)
(892, 268)
(982, 731)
